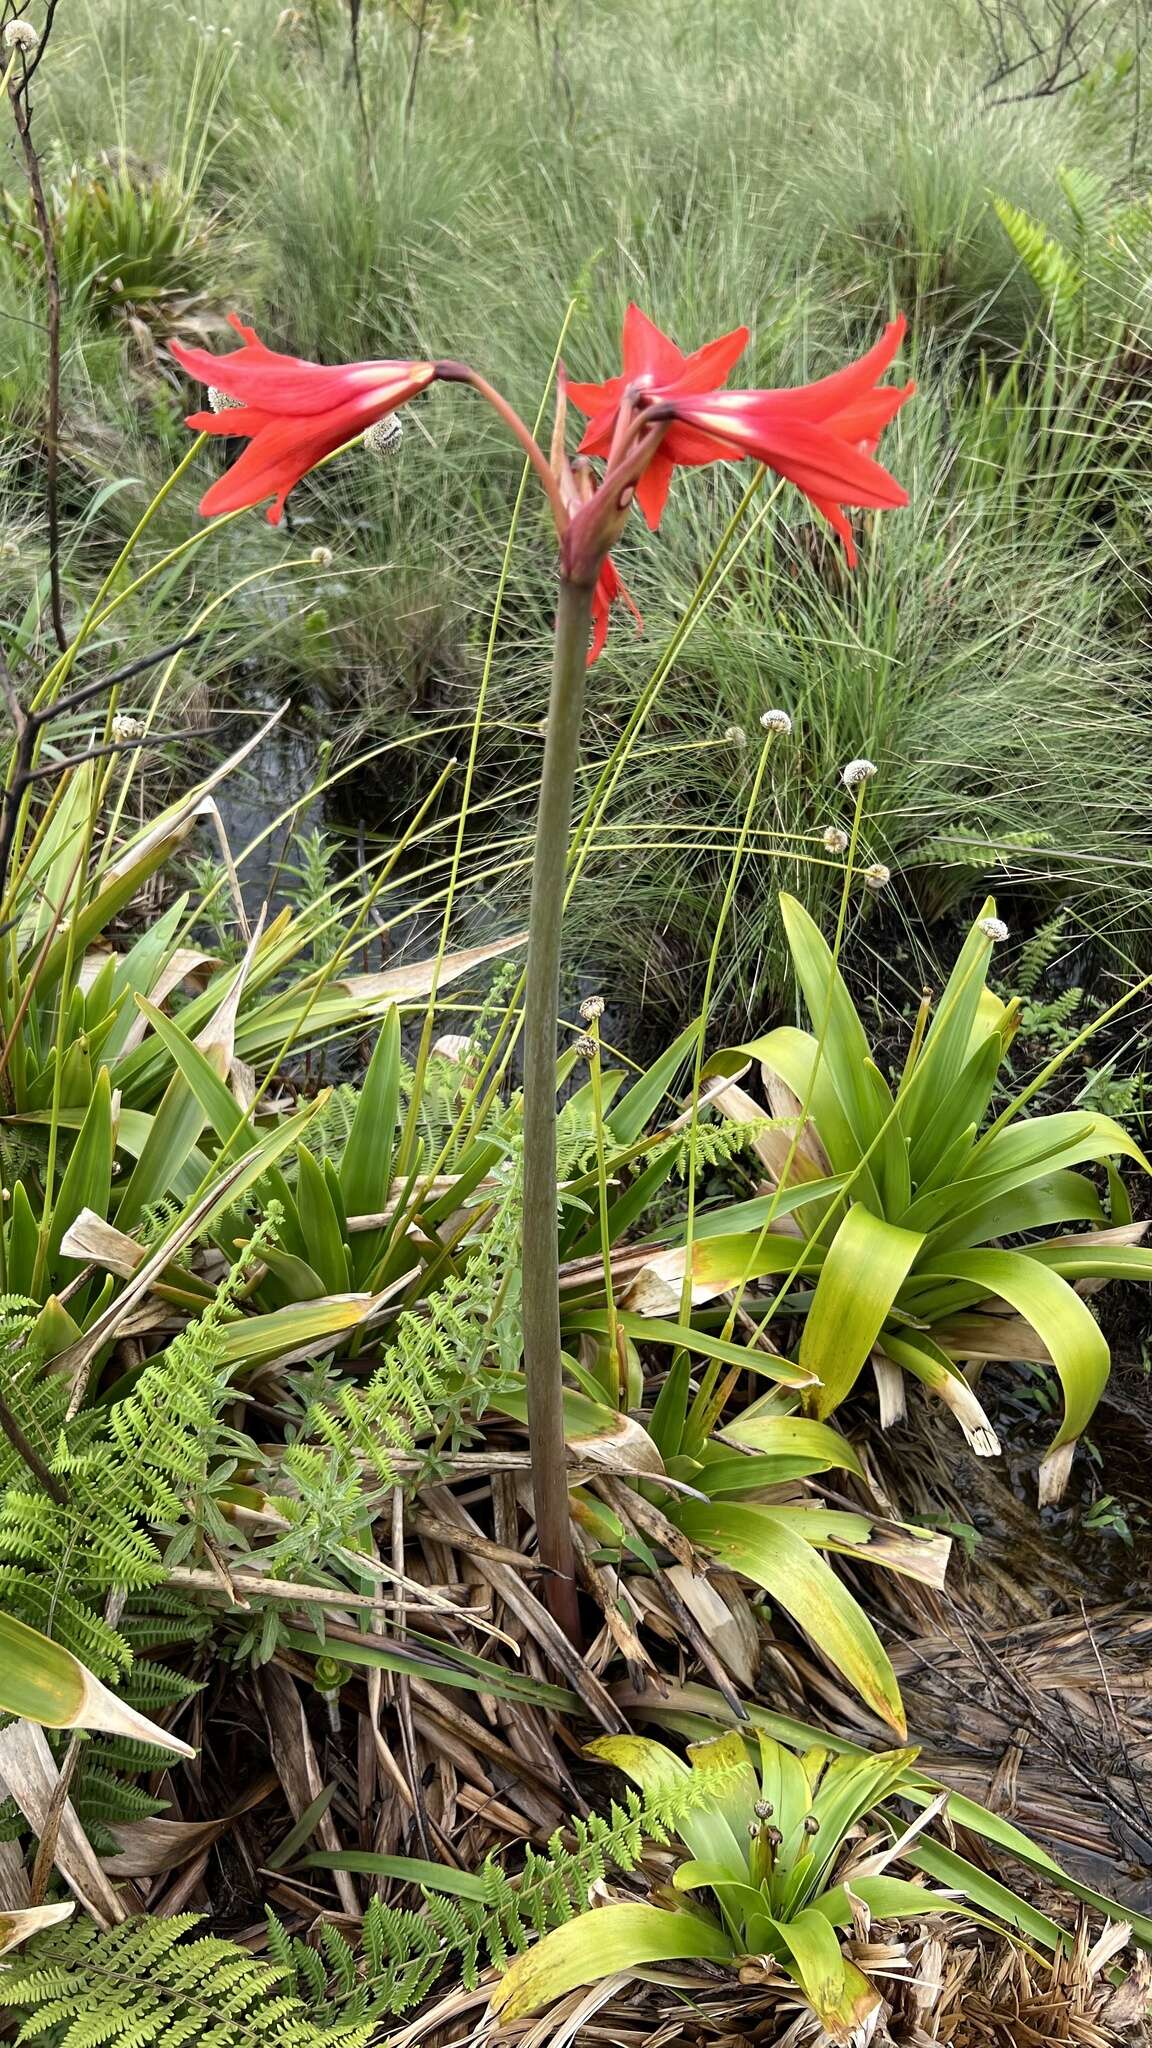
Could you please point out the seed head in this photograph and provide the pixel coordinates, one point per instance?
(877, 876)
(321, 558)
(591, 1008)
(856, 772)
(585, 1048)
(836, 839)
(221, 402)
(993, 928)
(385, 437)
(20, 35)
(125, 727)
(776, 721)
(735, 736)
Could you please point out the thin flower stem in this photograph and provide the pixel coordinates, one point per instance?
(806, 1105)
(615, 1349)
(463, 373)
(735, 866)
(541, 1259)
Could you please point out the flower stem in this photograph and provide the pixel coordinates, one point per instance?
(541, 1257)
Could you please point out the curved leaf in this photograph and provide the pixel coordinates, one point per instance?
(867, 1264)
(1075, 1342)
(749, 1539)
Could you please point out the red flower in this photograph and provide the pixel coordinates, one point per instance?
(820, 436)
(655, 367)
(293, 413)
(608, 589)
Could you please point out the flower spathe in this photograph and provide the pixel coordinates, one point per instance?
(292, 412)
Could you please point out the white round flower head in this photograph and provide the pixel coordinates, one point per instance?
(592, 1007)
(836, 839)
(220, 401)
(20, 35)
(385, 437)
(877, 876)
(776, 721)
(321, 558)
(994, 928)
(735, 736)
(9, 551)
(585, 1048)
(125, 727)
(857, 772)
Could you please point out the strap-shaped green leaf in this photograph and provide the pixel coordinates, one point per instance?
(751, 1540)
(948, 1045)
(598, 1945)
(1062, 1321)
(366, 1165)
(866, 1266)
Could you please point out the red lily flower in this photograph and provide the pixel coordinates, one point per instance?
(293, 413)
(655, 367)
(819, 436)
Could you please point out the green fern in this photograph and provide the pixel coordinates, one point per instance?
(146, 1985)
(430, 1370)
(1037, 954)
(402, 1953)
(716, 1144)
(132, 1470)
(1053, 269)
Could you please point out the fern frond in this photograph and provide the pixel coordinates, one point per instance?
(1053, 270)
(147, 1984)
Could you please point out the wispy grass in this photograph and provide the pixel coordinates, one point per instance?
(804, 171)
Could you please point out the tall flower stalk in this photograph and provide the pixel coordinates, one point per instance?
(660, 414)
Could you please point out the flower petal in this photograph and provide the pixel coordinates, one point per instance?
(648, 355)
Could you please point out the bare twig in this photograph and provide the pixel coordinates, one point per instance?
(22, 114)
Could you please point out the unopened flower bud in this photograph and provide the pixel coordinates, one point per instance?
(753, 1831)
(321, 558)
(993, 928)
(20, 35)
(877, 876)
(385, 437)
(836, 839)
(811, 1824)
(585, 1048)
(591, 1008)
(221, 402)
(763, 1809)
(776, 721)
(856, 772)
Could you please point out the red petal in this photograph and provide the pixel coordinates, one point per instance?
(709, 366)
(652, 489)
(287, 384)
(840, 525)
(646, 352)
(813, 457)
(594, 398)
